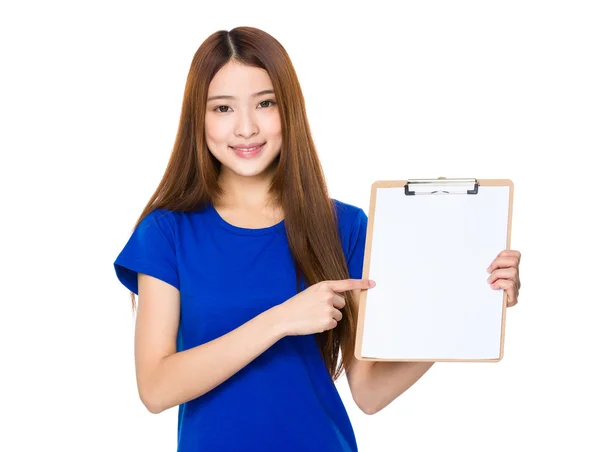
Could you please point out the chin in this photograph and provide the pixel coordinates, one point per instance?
(253, 168)
(248, 171)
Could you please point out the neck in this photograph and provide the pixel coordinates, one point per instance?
(247, 192)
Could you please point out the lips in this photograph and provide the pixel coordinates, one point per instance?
(247, 147)
(248, 152)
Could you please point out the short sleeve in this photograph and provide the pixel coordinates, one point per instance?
(358, 238)
(150, 250)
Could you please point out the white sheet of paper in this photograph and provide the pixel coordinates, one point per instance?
(429, 258)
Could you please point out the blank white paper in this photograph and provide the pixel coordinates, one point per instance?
(429, 258)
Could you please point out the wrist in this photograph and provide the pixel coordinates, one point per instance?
(275, 319)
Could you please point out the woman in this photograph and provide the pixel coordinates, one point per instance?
(247, 273)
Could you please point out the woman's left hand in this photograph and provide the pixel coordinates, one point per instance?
(505, 274)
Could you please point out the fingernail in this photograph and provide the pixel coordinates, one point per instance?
(371, 283)
(488, 269)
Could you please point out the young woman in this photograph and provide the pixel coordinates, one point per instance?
(247, 272)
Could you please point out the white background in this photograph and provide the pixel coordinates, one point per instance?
(90, 97)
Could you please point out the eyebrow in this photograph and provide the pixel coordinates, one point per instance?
(260, 93)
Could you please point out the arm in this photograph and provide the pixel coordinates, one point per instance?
(388, 380)
(167, 378)
(376, 384)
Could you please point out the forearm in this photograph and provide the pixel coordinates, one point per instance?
(387, 380)
(186, 375)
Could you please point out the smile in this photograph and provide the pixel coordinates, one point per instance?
(248, 152)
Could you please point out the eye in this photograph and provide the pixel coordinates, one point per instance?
(218, 109)
(272, 102)
(223, 108)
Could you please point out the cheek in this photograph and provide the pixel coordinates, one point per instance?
(215, 131)
(274, 127)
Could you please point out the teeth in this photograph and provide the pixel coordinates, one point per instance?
(247, 149)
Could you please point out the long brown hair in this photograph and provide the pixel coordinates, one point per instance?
(298, 186)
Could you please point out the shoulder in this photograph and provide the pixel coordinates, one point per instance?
(348, 214)
(164, 221)
(163, 218)
(352, 224)
(158, 216)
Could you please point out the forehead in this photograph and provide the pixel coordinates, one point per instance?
(235, 79)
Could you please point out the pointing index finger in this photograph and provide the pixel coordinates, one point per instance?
(351, 284)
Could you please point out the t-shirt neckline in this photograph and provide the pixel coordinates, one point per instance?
(243, 231)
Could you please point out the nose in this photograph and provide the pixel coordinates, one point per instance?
(246, 125)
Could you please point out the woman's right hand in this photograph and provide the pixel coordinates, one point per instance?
(317, 308)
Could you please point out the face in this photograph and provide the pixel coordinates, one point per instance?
(242, 112)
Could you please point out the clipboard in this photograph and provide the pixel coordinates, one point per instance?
(429, 243)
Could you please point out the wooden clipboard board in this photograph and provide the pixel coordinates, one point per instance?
(478, 336)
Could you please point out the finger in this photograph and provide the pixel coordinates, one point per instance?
(337, 315)
(503, 262)
(350, 284)
(510, 253)
(338, 301)
(503, 273)
(509, 287)
(331, 325)
(516, 285)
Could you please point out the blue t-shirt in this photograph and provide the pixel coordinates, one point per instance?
(284, 400)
